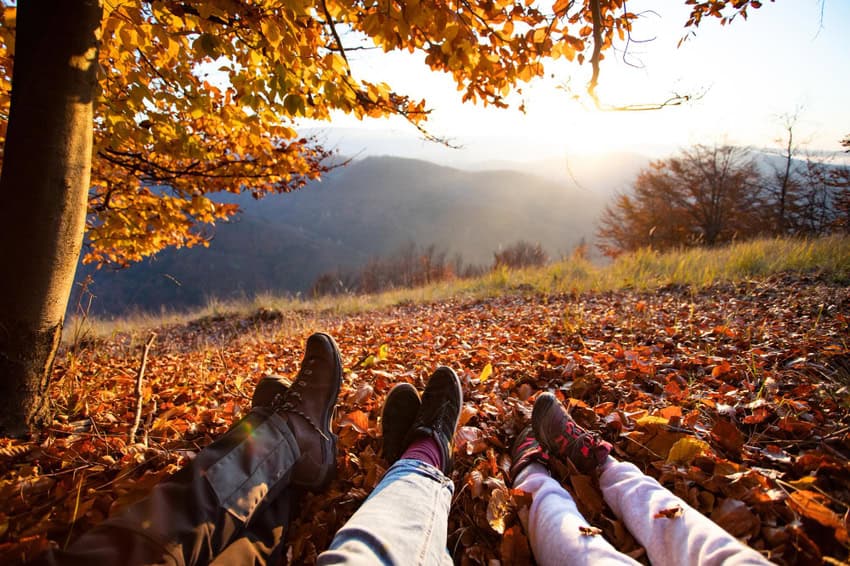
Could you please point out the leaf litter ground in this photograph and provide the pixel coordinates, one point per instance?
(736, 397)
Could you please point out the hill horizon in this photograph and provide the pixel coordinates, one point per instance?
(282, 243)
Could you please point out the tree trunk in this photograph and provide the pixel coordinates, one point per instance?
(43, 190)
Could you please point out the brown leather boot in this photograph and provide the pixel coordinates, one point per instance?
(307, 406)
(270, 391)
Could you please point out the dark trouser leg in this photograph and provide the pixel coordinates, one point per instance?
(231, 493)
(262, 542)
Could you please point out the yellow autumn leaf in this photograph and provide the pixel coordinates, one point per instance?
(686, 449)
(271, 31)
(804, 482)
(498, 509)
(383, 353)
(485, 373)
(651, 421)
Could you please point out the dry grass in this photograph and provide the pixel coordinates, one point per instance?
(643, 270)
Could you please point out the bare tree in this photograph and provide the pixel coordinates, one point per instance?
(520, 254)
(410, 266)
(784, 186)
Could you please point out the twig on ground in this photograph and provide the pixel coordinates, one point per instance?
(139, 397)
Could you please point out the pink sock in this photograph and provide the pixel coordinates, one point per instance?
(426, 450)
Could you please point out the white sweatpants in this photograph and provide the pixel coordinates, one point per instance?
(553, 523)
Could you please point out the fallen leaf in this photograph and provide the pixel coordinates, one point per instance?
(485, 373)
(383, 353)
(721, 369)
(470, 440)
(671, 513)
(515, 548)
(804, 482)
(469, 410)
(498, 509)
(358, 420)
(813, 506)
(587, 495)
(686, 449)
(736, 517)
(363, 394)
(727, 435)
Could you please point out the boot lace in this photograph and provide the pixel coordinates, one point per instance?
(290, 401)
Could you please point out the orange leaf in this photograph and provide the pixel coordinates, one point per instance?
(721, 369)
(358, 420)
(514, 548)
(671, 411)
(671, 513)
(727, 436)
(811, 505)
(467, 413)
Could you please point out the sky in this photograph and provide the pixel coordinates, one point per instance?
(788, 57)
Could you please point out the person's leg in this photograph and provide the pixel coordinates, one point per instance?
(687, 538)
(234, 489)
(557, 531)
(262, 541)
(405, 519)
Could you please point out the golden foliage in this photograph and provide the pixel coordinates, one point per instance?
(198, 97)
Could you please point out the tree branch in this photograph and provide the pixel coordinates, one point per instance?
(331, 25)
(596, 12)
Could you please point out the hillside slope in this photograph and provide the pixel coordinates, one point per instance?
(369, 208)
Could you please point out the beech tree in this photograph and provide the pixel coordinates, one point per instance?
(140, 164)
(43, 187)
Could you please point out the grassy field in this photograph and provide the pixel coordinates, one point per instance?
(643, 270)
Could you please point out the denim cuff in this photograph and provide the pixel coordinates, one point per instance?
(420, 468)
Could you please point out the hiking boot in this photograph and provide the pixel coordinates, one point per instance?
(400, 410)
(270, 391)
(439, 413)
(562, 438)
(308, 405)
(525, 450)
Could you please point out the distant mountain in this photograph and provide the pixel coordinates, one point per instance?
(369, 208)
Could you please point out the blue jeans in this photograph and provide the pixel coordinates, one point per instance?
(404, 520)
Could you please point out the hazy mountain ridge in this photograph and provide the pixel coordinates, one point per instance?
(369, 208)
